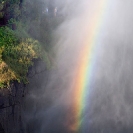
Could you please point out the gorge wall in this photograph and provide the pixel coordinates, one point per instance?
(13, 99)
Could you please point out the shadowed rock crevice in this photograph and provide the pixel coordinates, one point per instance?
(1, 129)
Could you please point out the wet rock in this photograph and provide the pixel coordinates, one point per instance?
(12, 100)
(1, 129)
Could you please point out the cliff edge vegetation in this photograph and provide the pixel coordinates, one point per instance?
(24, 36)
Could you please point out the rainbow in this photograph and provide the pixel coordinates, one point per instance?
(85, 69)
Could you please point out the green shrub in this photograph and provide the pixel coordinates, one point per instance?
(16, 55)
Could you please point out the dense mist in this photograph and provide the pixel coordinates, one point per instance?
(109, 106)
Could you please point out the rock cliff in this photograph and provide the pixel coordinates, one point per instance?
(12, 100)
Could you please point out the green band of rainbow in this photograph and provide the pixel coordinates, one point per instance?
(86, 60)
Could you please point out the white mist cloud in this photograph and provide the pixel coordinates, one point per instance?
(111, 106)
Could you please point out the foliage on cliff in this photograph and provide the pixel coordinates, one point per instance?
(16, 55)
(25, 34)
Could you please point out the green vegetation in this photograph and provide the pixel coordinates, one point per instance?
(25, 35)
(16, 56)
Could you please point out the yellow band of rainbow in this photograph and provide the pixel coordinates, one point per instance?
(86, 59)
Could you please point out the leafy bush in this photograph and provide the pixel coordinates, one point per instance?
(7, 37)
(16, 55)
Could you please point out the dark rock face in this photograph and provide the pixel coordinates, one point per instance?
(1, 129)
(12, 101)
